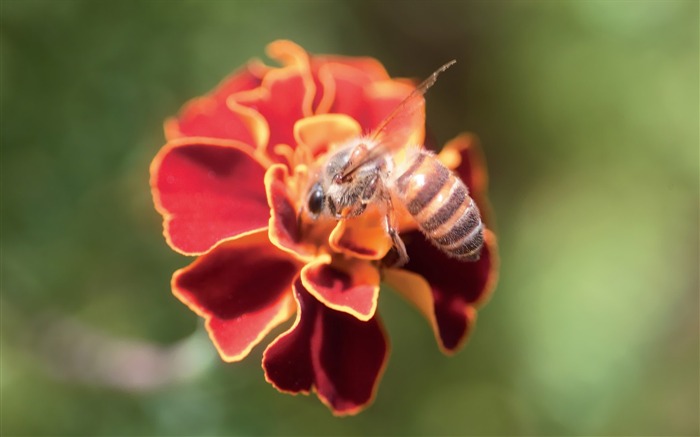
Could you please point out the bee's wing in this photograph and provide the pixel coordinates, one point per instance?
(394, 132)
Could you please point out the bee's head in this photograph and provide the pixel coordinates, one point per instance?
(327, 185)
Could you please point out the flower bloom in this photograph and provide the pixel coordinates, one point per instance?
(230, 183)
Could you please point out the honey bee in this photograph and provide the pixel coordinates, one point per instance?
(365, 171)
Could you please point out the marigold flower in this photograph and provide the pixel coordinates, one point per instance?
(229, 184)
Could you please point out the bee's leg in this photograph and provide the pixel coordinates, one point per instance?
(400, 248)
(396, 240)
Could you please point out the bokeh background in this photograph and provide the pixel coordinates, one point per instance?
(588, 114)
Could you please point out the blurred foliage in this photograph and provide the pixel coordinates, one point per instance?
(588, 113)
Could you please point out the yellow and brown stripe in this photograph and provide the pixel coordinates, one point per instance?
(440, 203)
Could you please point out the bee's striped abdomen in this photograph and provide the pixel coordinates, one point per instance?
(440, 203)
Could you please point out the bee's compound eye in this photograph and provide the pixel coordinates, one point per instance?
(315, 199)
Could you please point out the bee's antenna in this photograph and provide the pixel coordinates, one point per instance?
(430, 81)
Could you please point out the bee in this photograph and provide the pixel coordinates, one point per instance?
(365, 171)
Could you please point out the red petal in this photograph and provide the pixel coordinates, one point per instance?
(349, 95)
(369, 67)
(463, 155)
(212, 116)
(242, 289)
(285, 96)
(447, 291)
(207, 117)
(325, 89)
(248, 78)
(335, 353)
(350, 286)
(207, 190)
(341, 85)
(291, 54)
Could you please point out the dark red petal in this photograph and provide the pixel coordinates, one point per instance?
(339, 356)
(242, 288)
(284, 226)
(464, 156)
(456, 288)
(350, 286)
(285, 96)
(207, 190)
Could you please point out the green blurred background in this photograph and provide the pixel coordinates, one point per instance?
(588, 113)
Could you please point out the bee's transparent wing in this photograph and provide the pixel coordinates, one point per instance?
(394, 132)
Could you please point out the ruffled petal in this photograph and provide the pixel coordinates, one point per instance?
(367, 66)
(464, 156)
(347, 285)
(207, 117)
(242, 289)
(445, 290)
(341, 87)
(336, 354)
(288, 53)
(248, 78)
(207, 190)
(321, 132)
(211, 116)
(284, 97)
(347, 89)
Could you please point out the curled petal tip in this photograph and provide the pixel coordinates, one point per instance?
(349, 286)
(232, 287)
